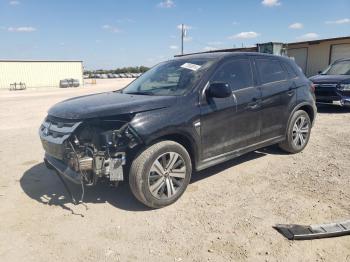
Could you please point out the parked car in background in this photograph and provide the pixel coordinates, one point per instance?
(65, 83)
(333, 84)
(185, 114)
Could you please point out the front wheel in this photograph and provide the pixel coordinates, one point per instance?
(160, 174)
(298, 133)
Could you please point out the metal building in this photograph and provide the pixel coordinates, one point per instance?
(311, 56)
(39, 73)
(316, 55)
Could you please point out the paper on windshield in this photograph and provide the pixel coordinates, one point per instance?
(190, 66)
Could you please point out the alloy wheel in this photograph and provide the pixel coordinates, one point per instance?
(301, 130)
(167, 175)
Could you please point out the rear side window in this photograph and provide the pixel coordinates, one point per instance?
(270, 70)
(236, 73)
(290, 70)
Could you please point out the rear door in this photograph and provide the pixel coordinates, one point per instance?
(278, 92)
(230, 123)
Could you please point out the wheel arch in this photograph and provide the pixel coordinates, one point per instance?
(185, 140)
(309, 109)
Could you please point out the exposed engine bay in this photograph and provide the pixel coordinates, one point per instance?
(86, 151)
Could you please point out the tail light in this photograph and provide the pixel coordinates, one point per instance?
(312, 87)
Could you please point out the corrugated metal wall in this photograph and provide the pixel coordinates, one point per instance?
(318, 55)
(39, 73)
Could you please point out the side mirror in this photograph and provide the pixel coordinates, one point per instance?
(319, 72)
(219, 90)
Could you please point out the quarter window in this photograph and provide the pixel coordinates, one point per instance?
(270, 71)
(237, 74)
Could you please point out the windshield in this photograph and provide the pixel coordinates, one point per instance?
(172, 78)
(338, 68)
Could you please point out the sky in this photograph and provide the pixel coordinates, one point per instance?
(110, 34)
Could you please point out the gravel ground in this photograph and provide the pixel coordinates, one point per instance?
(227, 212)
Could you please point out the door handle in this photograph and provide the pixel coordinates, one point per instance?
(291, 89)
(290, 92)
(254, 104)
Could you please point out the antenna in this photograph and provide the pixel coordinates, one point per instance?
(182, 39)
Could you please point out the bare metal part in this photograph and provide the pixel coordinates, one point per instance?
(81, 163)
(99, 165)
(116, 167)
(85, 163)
(92, 164)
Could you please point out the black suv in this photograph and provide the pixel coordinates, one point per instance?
(333, 84)
(185, 114)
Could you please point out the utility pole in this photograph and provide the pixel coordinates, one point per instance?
(182, 39)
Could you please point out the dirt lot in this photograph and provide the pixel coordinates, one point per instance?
(227, 212)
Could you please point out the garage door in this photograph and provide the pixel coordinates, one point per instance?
(300, 57)
(340, 51)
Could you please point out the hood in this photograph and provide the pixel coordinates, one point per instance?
(108, 104)
(334, 79)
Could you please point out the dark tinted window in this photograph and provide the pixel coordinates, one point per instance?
(270, 70)
(237, 74)
(290, 70)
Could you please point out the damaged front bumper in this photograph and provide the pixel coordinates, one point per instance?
(80, 161)
(116, 172)
(63, 169)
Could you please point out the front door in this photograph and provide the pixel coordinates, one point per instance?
(228, 124)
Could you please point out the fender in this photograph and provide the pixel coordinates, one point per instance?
(187, 138)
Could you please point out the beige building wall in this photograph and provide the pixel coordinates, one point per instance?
(39, 73)
(318, 54)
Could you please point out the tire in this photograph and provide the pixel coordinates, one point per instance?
(160, 174)
(298, 133)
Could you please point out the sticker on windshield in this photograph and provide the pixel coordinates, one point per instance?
(190, 66)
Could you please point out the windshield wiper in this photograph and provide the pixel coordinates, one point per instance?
(140, 93)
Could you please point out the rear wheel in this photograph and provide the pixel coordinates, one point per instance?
(298, 133)
(160, 174)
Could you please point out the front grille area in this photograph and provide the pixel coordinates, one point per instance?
(327, 90)
(345, 93)
(53, 134)
(326, 93)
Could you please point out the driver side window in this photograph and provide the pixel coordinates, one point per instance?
(236, 73)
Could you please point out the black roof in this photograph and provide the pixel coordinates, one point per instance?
(219, 55)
